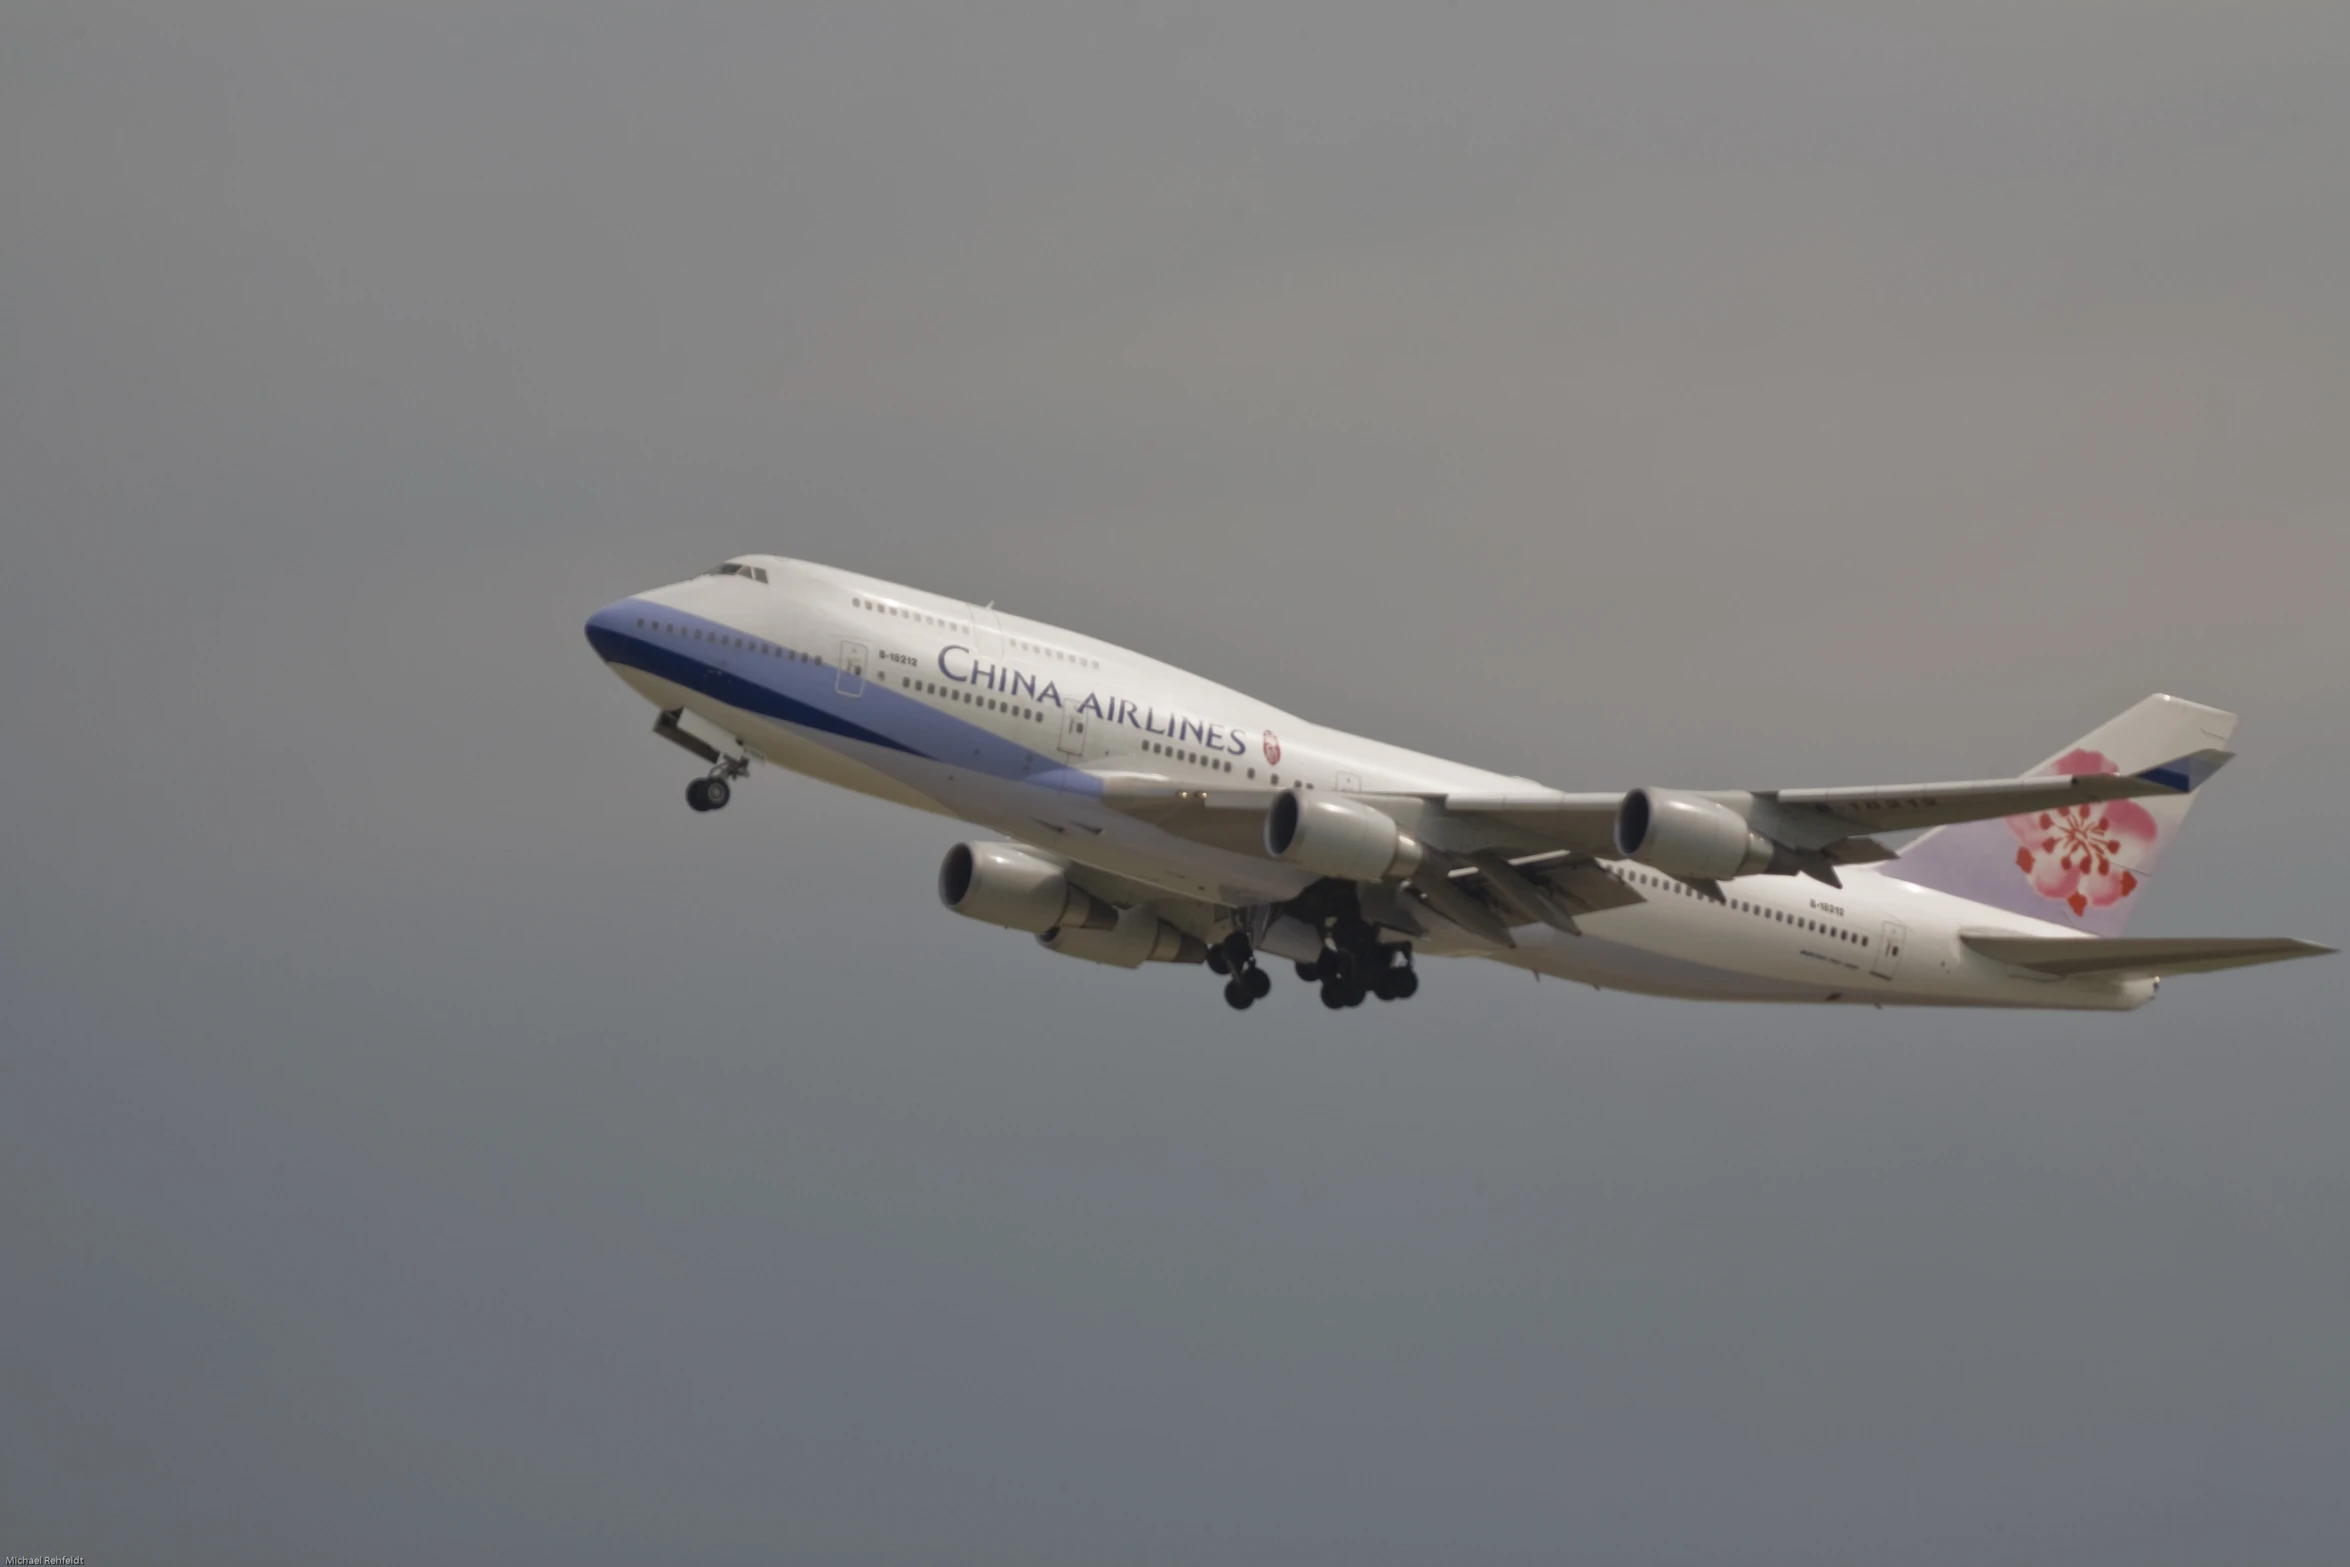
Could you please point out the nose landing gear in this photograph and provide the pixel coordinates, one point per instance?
(708, 793)
(712, 793)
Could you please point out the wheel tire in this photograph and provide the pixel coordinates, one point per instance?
(1260, 983)
(1333, 994)
(1337, 963)
(1407, 984)
(1311, 973)
(694, 796)
(1237, 951)
(1217, 962)
(1383, 986)
(1236, 995)
(715, 794)
(1355, 994)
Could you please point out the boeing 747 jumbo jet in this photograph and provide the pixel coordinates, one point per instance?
(1138, 814)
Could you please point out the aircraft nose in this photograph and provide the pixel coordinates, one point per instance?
(611, 628)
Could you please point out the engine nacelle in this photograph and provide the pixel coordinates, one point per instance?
(1005, 884)
(1688, 835)
(1136, 937)
(1332, 835)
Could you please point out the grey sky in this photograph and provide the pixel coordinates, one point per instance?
(421, 1134)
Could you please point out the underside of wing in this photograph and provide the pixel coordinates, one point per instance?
(1494, 892)
(2072, 957)
(1534, 821)
(1708, 836)
(1832, 813)
(1219, 817)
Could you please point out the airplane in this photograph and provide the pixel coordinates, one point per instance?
(1143, 814)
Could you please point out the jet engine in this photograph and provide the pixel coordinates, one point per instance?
(1005, 884)
(1332, 835)
(1138, 936)
(1688, 835)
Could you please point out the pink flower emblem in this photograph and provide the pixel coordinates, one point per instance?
(2085, 854)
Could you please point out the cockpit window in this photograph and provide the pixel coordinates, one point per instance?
(737, 569)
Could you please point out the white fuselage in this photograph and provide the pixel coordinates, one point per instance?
(1014, 725)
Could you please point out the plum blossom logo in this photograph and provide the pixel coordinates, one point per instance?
(2085, 855)
(1272, 748)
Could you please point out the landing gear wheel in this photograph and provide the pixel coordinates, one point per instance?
(1383, 984)
(1260, 983)
(715, 794)
(1311, 973)
(697, 794)
(1217, 962)
(1237, 995)
(1333, 994)
(1406, 984)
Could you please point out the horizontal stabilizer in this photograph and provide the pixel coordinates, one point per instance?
(2071, 956)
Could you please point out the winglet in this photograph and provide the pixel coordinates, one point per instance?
(2188, 773)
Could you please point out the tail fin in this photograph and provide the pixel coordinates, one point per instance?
(2085, 866)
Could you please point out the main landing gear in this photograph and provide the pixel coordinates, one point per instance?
(1362, 968)
(1355, 967)
(1246, 983)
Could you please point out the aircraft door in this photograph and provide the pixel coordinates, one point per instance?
(851, 680)
(1073, 736)
(1889, 945)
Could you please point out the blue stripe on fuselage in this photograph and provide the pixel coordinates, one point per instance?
(804, 695)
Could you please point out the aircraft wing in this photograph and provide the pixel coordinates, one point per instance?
(1833, 823)
(2072, 956)
(1784, 831)
(1506, 860)
(1220, 817)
